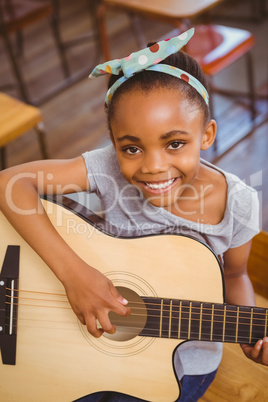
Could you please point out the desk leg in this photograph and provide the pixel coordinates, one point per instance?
(15, 67)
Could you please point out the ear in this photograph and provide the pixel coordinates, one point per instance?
(209, 135)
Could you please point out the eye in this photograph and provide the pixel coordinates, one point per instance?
(175, 145)
(131, 150)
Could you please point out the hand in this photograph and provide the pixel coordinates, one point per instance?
(259, 352)
(92, 296)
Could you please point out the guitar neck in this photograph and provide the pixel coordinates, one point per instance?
(192, 320)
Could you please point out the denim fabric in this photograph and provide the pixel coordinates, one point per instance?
(193, 388)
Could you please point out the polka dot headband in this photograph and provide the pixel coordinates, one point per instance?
(148, 59)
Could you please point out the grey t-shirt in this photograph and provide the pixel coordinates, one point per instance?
(125, 208)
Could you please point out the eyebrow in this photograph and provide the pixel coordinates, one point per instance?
(163, 136)
(129, 138)
(173, 133)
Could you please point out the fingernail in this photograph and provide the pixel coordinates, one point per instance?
(125, 302)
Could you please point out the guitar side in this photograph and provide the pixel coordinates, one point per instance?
(56, 358)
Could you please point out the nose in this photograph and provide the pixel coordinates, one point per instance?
(154, 162)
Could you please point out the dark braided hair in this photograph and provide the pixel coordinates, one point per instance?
(148, 80)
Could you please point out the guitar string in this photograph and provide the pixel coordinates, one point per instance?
(172, 334)
(234, 315)
(215, 315)
(155, 329)
(148, 303)
(36, 291)
(174, 318)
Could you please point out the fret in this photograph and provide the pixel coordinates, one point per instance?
(251, 320)
(167, 327)
(212, 317)
(219, 323)
(237, 323)
(205, 325)
(257, 324)
(244, 325)
(161, 319)
(265, 326)
(200, 322)
(230, 324)
(189, 324)
(194, 320)
(183, 319)
(170, 319)
(224, 322)
(179, 326)
(153, 307)
(184, 327)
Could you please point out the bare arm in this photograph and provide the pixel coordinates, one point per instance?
(239, 291)
(91, 295)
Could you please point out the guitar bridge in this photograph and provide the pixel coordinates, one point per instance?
(9, 279)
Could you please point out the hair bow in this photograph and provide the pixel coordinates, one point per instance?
(149, 59)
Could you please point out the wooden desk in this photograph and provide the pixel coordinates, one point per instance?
(176, 12)
(160, 8)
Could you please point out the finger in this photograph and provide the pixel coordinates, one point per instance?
(106, 324)
(118, 296)
(265, 351)
(120, 309)
(81, 319)
(246, 349)
(92, 327)
(255, 351)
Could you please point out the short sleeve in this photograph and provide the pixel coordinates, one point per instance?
(244, 209)
(102, 169)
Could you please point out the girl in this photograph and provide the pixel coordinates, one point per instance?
(151, 176)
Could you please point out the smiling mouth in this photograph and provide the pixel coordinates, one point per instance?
(160, 186)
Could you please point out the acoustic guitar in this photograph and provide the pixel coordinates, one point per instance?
(175, 289)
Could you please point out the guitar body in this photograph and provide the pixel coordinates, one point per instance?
(56, 358)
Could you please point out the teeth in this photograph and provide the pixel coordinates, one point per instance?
(161, 185)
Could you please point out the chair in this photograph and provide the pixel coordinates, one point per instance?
(15, 15)
(16, 118)
(215, 47)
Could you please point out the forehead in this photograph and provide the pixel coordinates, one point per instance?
(159, 107)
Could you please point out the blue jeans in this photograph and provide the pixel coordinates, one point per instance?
(193, 388)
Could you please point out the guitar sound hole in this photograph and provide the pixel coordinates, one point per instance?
(128, 327)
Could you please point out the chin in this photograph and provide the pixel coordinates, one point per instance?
(160, 202)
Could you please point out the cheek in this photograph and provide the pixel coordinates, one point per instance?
(188, 162)
(127, 167)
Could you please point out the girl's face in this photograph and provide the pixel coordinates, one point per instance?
(157, 137)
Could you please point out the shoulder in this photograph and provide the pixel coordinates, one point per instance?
(238, 194)
(242, 200)
(242, 210)
(237, 201)
(100, 157)
(102, 161)
(214, 190)
(102, 169)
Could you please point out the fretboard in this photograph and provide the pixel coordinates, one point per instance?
(182, 319)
